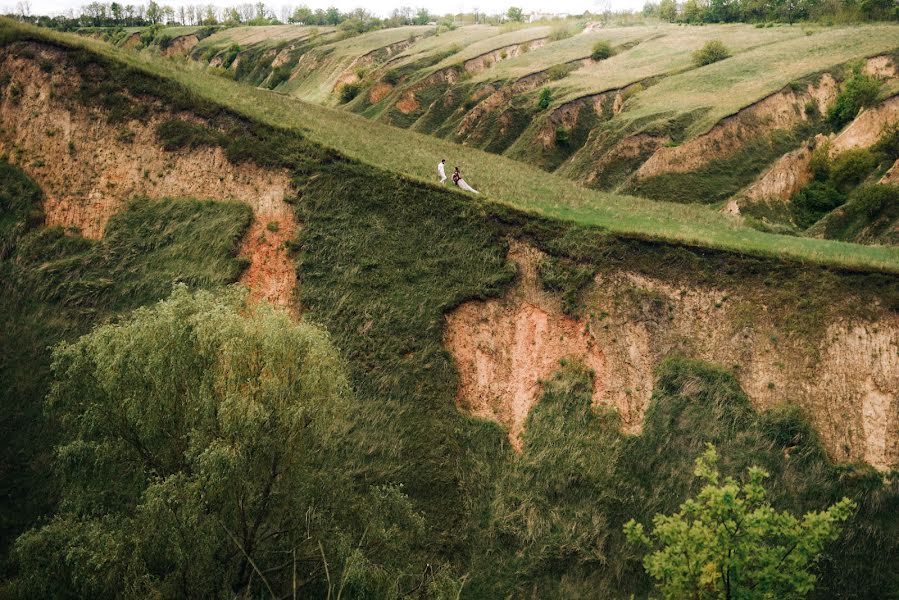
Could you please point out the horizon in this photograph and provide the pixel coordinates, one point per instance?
(380, 8)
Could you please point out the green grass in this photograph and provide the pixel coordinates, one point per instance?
(502, 180)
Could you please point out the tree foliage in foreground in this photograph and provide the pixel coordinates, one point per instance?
(730, 543)
(204, 454)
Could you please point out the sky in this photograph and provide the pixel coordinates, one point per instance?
(379, 7)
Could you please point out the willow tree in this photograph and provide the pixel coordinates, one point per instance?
(204, 454)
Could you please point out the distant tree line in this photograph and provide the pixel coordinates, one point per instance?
(359, 20)
(115, 14)
(760, 11)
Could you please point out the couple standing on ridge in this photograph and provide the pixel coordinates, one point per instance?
(457, 177)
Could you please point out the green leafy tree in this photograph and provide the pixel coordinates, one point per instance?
(668, 10)
(333, 16)
(154, 13)
(730, 543)
(515, 14)
(301, 14)
(204, 454)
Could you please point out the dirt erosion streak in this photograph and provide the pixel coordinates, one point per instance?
(845, 376)
(505, 348)
(88, 169)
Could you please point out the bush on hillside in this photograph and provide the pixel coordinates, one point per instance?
(872, 200)
(546, 97)
(601, 50)
(888, 144)
(819, 165)
(349, 91)
(814, 201)
(859, 91)
(713, 51)
(851, 167)
(870, 216)
(557, 72)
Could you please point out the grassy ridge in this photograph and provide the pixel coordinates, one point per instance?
(505, 181)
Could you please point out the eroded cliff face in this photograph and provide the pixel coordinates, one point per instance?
(89, 168)
(783, 110)
(846, 377)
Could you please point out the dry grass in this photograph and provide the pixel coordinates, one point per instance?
(246, 36)
(729, 85)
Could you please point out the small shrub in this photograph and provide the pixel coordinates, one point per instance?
(546, 97)
(563, 136)
(557, 72)
(712, 52)
(601, 50)
(272, 226)
(560, 32)
(814, 201)
(349, 91)
(888, 144)
(820, 162)
(871, 200)
(850, 168)
(859, 91)
(47, 66)
(279, 76)
(15, 92)
(392, 77)
(811, 109)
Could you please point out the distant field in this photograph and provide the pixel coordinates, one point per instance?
(568, 49)
(504, 180)
(666, 49)
(263, 34)
(729, 85)
(339, 56)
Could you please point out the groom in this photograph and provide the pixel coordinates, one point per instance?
(441, 171)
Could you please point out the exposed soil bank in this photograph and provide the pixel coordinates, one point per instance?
(846, 378)
(89, 168)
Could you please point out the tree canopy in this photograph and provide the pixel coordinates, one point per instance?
(729, 543)
(203, 454)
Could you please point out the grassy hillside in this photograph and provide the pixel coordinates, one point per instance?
(502, 180)
(382, 257)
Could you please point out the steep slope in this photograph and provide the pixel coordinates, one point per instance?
(90, 163)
